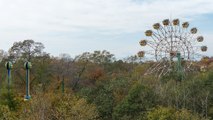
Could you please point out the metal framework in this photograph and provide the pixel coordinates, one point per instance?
(168, 39)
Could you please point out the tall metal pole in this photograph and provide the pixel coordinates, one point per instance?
(27, 66)
(179, 67)
(8, 80)
(62, 85)
(9, 66)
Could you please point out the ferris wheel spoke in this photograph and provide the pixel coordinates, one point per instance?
(158, 36)
(163, 28)
(154, 40)
(155, 37)
(162, 31)
(151, 44)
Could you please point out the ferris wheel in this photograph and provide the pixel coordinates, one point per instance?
(170, 41)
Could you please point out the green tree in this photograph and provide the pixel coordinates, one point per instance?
(138, 101)
(169, 113)
(6, 114)
(102, 97)
(70, 107)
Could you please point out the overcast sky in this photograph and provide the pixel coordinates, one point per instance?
(76, 26)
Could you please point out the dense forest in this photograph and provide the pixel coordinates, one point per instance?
(97, 86)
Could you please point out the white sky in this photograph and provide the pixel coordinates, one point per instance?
(76, 26)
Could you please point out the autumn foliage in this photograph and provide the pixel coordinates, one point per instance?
(97, 86)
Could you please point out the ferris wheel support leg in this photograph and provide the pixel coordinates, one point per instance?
(179, 67)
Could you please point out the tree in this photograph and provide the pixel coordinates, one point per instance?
(138, 101)
(3, 55)
(133, 59)
(70, 107)
(169, 113)
(105, 103)
(25, 50)
(97, 57)
(102, 97)
(6, 114)
(42, 73)
(62, 67)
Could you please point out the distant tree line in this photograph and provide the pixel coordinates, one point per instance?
(97, 86)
